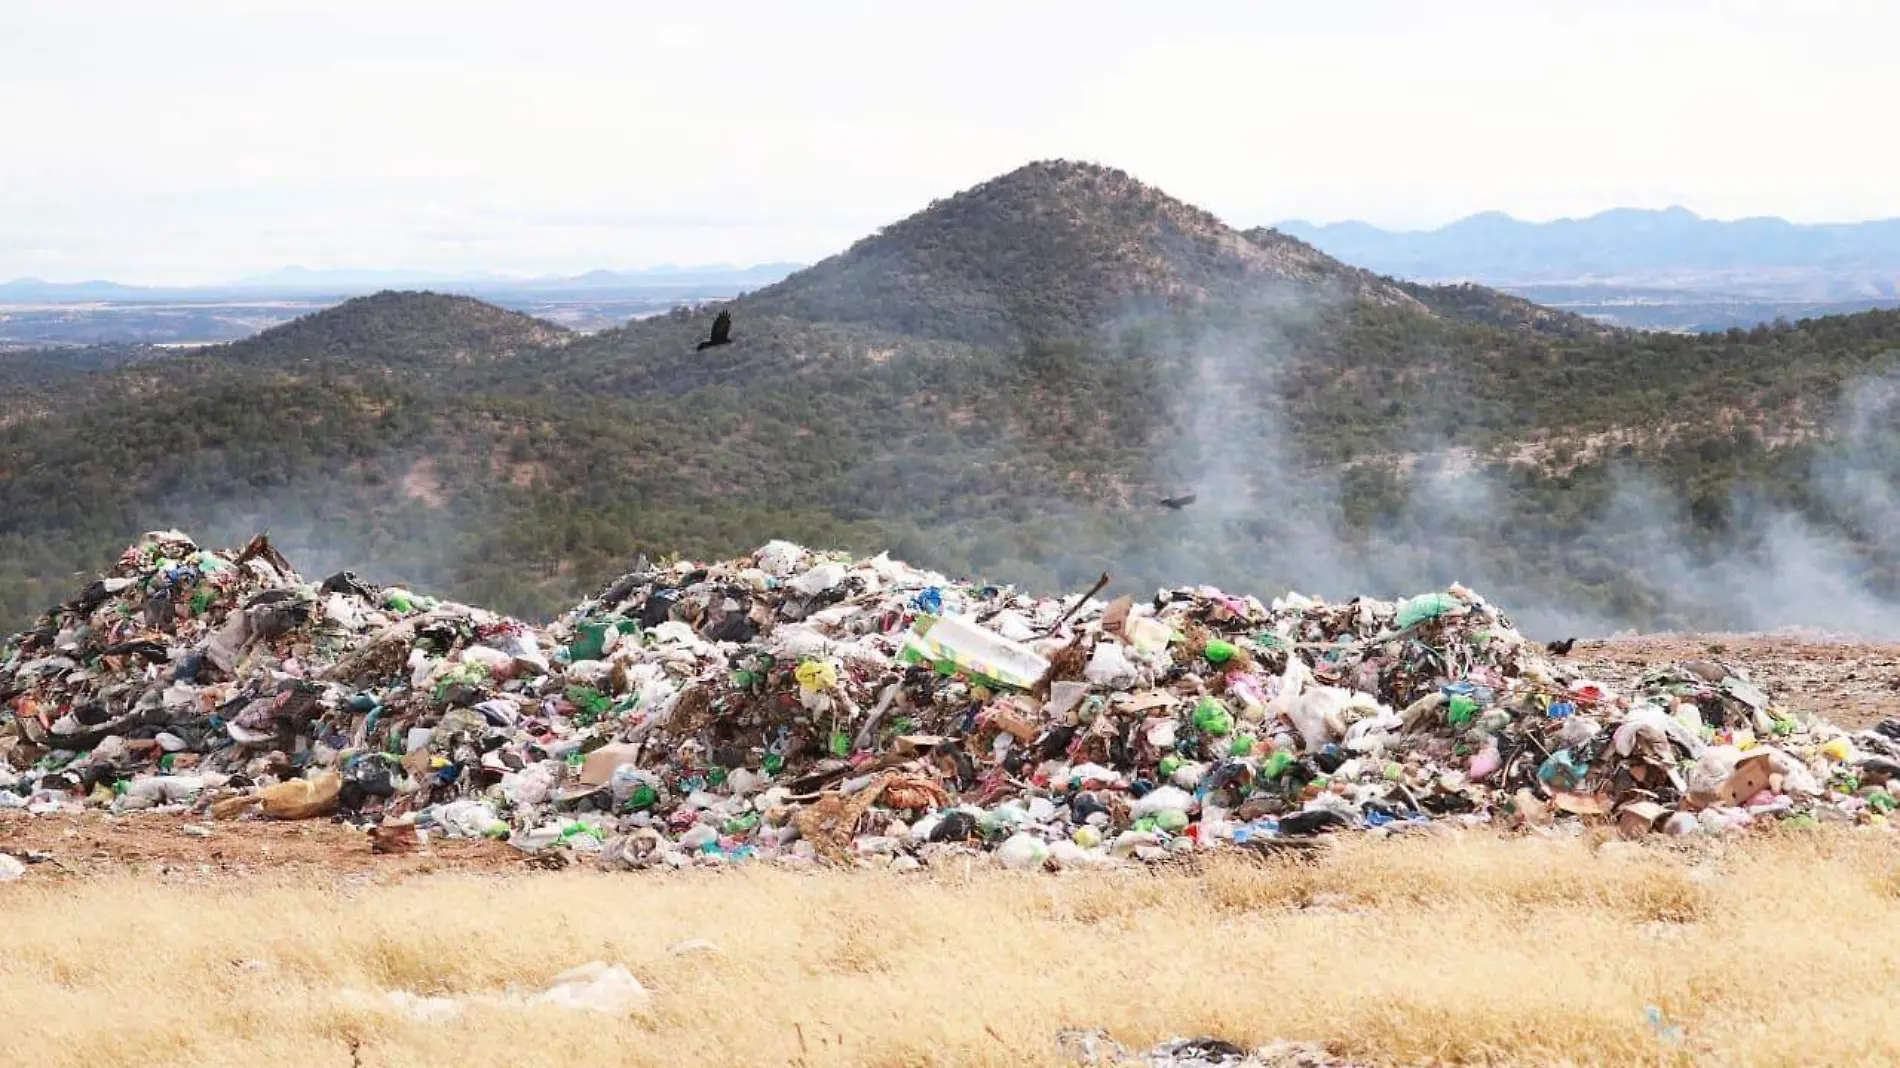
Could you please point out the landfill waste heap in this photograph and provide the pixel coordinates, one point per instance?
(808, 707)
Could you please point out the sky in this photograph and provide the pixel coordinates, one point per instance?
(200, 141)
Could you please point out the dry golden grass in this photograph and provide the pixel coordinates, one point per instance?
(1464, 949)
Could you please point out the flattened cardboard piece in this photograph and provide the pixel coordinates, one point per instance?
(1751, 776)
(1637, 818)
(1581, 804)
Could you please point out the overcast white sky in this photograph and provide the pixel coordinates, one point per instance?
(200, 140)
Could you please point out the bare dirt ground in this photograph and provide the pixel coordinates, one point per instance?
(1847, 681)
(167, 848)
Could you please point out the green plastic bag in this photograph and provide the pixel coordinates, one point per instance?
(1277, 765)
(1212, 717)
(1426, 606)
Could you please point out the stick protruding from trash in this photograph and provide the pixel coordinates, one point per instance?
(1100, 583)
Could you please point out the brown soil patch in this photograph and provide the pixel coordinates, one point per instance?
(1852, 683)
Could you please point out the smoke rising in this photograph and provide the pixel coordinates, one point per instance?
(1270, 518)
(323, 526)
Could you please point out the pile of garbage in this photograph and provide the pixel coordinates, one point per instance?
(806, 706)
(1095, 1049)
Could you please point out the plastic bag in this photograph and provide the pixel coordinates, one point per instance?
(1484, 763)
(1022, 852)
(779, 558)
(533, 784)
(816, 676)
(1319, 716)
(819, 579)
(597, 986)
(1212, 717)
(1287, 688)
(469, 819)
(1109, 666)
(1161, 799)
(1426, 606)
(1374, 734)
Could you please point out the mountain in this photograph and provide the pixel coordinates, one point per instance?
(1001, 385)
(93, 313)
(1673, 247)
(392, 329)
(1051, 250)
(23, 290)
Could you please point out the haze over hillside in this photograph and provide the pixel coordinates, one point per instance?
(1001, 385)
(39, 313)
(304, 281)
(1666, 269)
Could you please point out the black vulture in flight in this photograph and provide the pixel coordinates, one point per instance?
(721, 333)
(1176, 503)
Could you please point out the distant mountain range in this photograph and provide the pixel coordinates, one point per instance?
(306, 282)
(1674, 249)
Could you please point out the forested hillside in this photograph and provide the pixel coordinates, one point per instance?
(999, 386)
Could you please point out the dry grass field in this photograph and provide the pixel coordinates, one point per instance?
(1461, 948)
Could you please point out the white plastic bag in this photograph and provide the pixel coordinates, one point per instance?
(596, 986)
(819, 579)
(1319, 715)
(1287, 688)
(1161, 799)
(1109, 666)
(1022, 852)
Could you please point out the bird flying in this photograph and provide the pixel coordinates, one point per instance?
(1176, 503)
(721, 333)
